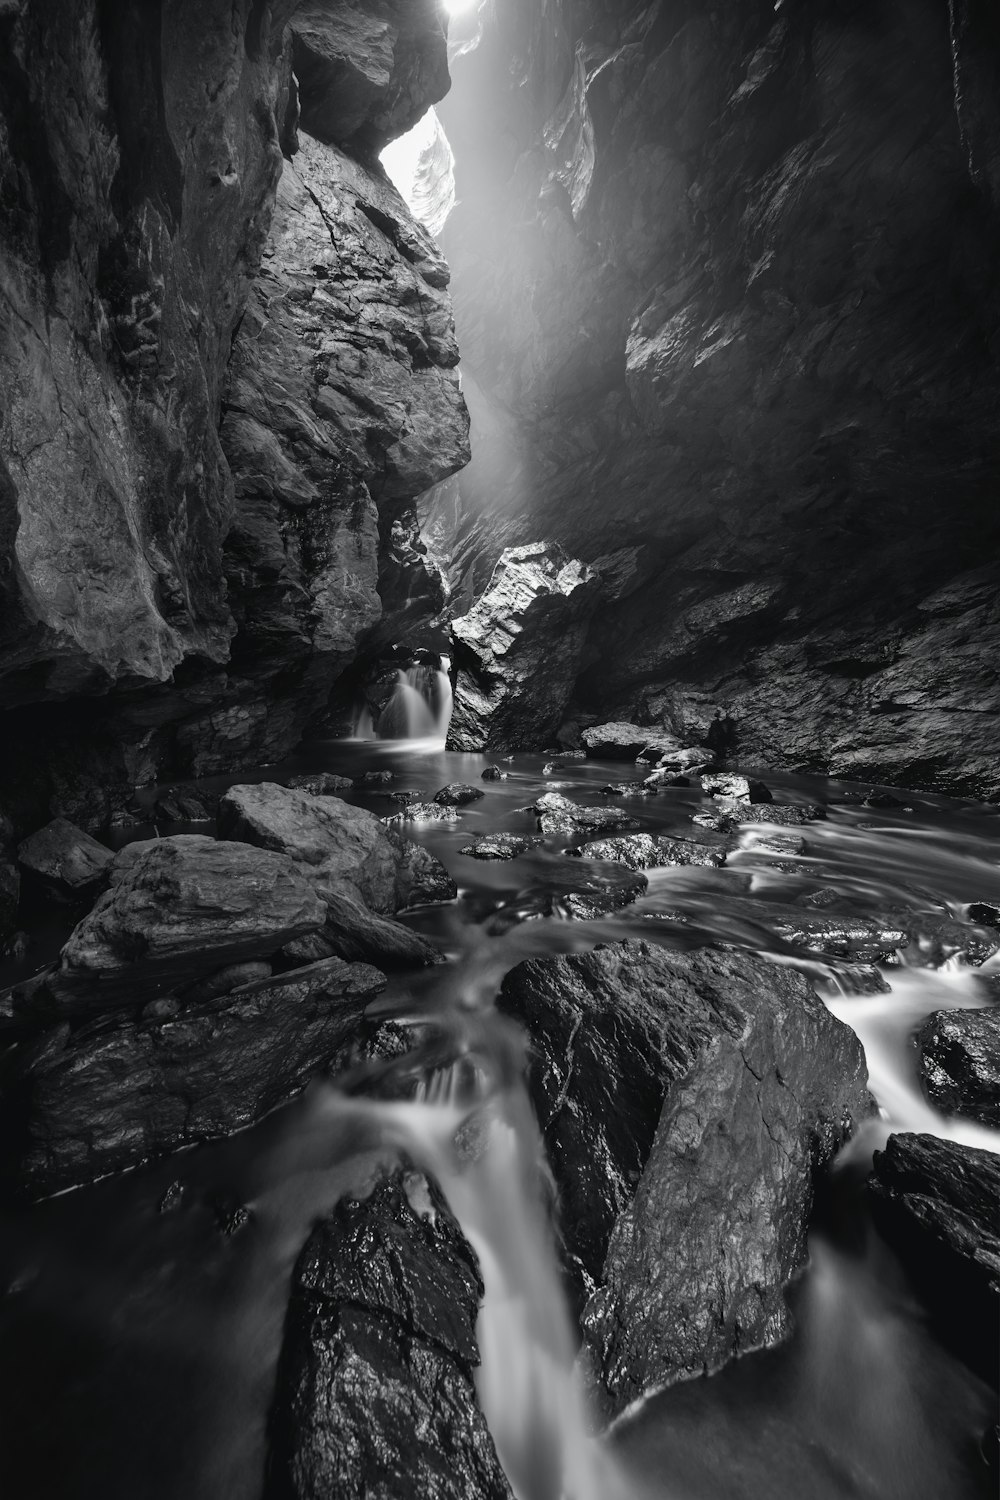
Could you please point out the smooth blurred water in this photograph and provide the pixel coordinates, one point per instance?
(137, 1348)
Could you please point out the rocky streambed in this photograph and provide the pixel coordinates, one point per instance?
(424, 1112)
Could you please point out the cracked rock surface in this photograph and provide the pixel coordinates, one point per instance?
(687, 1101)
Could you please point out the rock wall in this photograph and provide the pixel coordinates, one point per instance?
(724, 286)
(210, 411)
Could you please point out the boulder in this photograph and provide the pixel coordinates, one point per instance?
(494, 773)
(374, 778)
(64, 862)
(935, 1202)
(422, 812)
(517, 651)
(685, 760)
(499, 846)
(321, 784)
(629, 789)
(645, 851)
(180, 908)
(983, 913)
(116, 1091)
(785, 815)
(557, 814)
(687, 1101)
(960, 1062)
(617, 741)
(457, 794)
(375, 1393)
(421, 877)
(355, 933)
(933, 940)
(338, 848)
(724, 784)
(182, 804)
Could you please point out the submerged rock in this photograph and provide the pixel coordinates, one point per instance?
(934, 940)
(110, 1094)
(960, 1062)
(64, 862)
(494, 773)
(936, 1204)
(645, 851)
(784, 814)
(457, 794)
(629, 789)
(499, 846)
(375, 1393)
(557, 814)
(517, 651)
(179, 908)
(719, 1084)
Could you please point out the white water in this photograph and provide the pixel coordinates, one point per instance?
(419, 709)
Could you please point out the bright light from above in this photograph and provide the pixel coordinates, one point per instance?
(456, 7)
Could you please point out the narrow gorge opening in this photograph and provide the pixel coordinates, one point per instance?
(499, 895)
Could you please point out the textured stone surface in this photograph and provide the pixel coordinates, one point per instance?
(64, 861)
(936, 1204)
(375, 1391)
(355, 933)
(959, 1052)
(116, 1091)
(457, 793)
(499, 846)
(724, 291)
(632, 1043)
(645, 851)
(178, 908)
(517, 651)
(337, 848)
(557, 814)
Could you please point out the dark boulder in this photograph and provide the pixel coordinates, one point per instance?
(557, 814)
(178, 909)
(960, 1062)
(935, 1202)
(118, 1090)
(707, 1052)
(494, 773)
(517, 651)
(645, 851)
(357, 934)
(182, 804)
(726, 784)
(64, 862)
(457, 794)
(374, 778)
(983, 913)
(375, 1392)
(499, 846)
(421, 877)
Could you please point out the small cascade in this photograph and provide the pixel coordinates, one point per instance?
(420, 706)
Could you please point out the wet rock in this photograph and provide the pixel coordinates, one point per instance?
(64, 862)
(626, 741)
(861, 979)
(557, 814)
(959, 1064)
(374, 778)
(983, 913)
(629, 789)
(499, 846)
(659, 779)
(644, 851)
(859, 939)
(178, 908)
(375, 1392)
(885, 800)
(686, 1100)
(934, 940)
(779, 843)
(596, 895)
(182, 805)
(402, 798)
(458, 794)
(321, 784)
(786, 815)
(120, 1090)
(725, 784)
(233, 977)
(355, 933)
(935, 1202)
(517, 651)
(421, 877)
(494, 773)
(422, 812)
(338, 848)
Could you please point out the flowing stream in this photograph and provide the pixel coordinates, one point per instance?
(138, 1348)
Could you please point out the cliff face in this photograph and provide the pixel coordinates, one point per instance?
(204, 403)
(725, 288)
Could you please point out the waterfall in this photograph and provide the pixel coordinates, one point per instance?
(420, 706)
